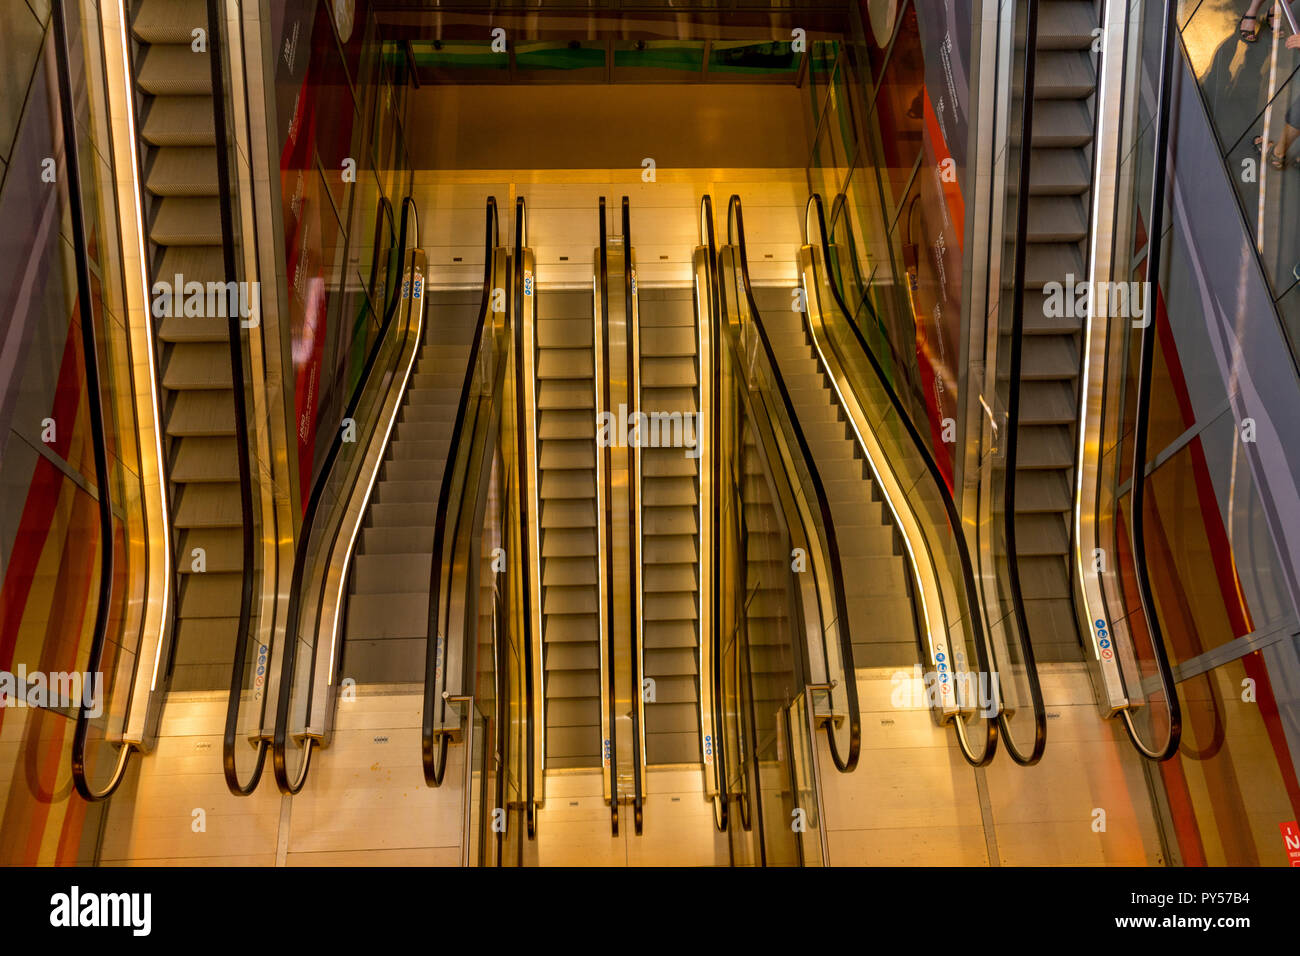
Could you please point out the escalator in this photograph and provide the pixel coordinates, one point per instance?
(1063, 94)
(179, 164)
(392, 493)
(672, 603)
(879, 606)
(569, 564)
(388, 596)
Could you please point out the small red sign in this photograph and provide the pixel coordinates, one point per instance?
(1291, 839)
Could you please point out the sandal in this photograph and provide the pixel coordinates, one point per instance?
(1248, 36)
(1274, 160)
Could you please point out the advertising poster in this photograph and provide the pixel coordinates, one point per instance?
(945, 28)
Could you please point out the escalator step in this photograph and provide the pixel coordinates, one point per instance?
(175, 71)
(183, 221)
(169, 21)
(180, 121)
(183, 171)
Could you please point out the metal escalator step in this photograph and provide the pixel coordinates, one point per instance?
(669, 491)
(1059, 172)
(573, 657)
(392, 491)
(400, 515)
(671, 748)
(209, 506)
(675, 688)
(389, 615)
(193, 264)
(877, 620)
(571, 684)
(567, 424)
(555, 304)
(569, 572)
(884, 654)
(194, 329)
(669, 606)
(673, 519)
(565, 363)
(204, 459)
(1049, 357)
(201, 413)
(169, 21)
(669, 371)
(222, 550)
(211, 594)
(390, 573)
(1055, 219)
(566, 712)
(446, 379)
(568, 542)
(568, 628)
(411, 469)
(557, 455)
(566, 393)
(414, 539)
(1052, 261)
(568, 484)
(667, 463)
(1041, 534)
(425, 431)
(1047, 403)
(1053, 629)
(572, 747)
(1043, 577)
(203, 654)
(1044, 446)
(432, 404)
(425, 412)
(1061, 123)
(185, 221)
(669, 398)
(666, 341)
(1062, 75)
(668, 577)
(198, 366)
(668, 549)
(674, 717)
(421, 451)
(1065, 24)
(168, 70)
(180, 121)
(568, 513)
(664, 634)
(565, 333)
(183, 171)
(1042, 491)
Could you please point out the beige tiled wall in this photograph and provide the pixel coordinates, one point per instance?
(913, 800)
(365, 801)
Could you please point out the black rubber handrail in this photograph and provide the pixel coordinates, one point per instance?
(244, 459)
(608, 637)
(936, 476)
(521, 377)
(713, 316)
(433, 745)
(95, 407)
(521, 460)
(844, 764)
(383, 217)
(1142, 407)
(1013, 404)
(633, 388)
(279, 762)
